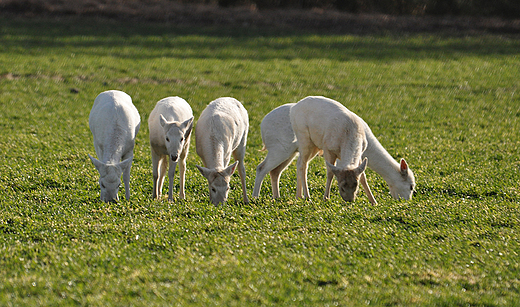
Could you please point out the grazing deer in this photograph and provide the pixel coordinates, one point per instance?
(114, 122)
(280, 141)
(221, 132)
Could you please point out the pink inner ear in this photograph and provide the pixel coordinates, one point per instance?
(404, 166)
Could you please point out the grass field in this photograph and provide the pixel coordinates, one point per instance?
(450, 105)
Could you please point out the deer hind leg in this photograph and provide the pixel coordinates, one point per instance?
(275, 175)
(261, 171)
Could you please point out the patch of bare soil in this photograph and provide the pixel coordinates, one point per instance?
(175, 13)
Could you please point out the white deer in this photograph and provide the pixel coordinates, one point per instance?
(280, 141)
(281, 144)
(114, 122)
(221, 131)
(170, 124)
(322, 123)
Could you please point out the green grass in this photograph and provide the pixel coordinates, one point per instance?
(449, 105)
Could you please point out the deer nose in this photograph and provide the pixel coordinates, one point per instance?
(174, 158)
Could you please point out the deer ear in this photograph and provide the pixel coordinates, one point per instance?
(404, 167)
(188, 124)
(125, 163)
(203, 171)
(162, 120)
(362, 166)
(98, 164)
(228, 171)
(334, 169)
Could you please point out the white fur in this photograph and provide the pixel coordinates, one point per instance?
(280, 141)
(282, 146)
(114, 122)
(221, 131)
(322, 123)
(170, 125)
(398, 176)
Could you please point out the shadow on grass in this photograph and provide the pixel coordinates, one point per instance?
(93, 36)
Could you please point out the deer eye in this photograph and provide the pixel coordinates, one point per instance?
(213, 190)
(167, 139)
(182, 139)
(102, 185)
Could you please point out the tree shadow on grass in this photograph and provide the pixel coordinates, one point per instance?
(102, 37)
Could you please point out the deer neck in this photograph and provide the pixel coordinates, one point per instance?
(379, 160)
